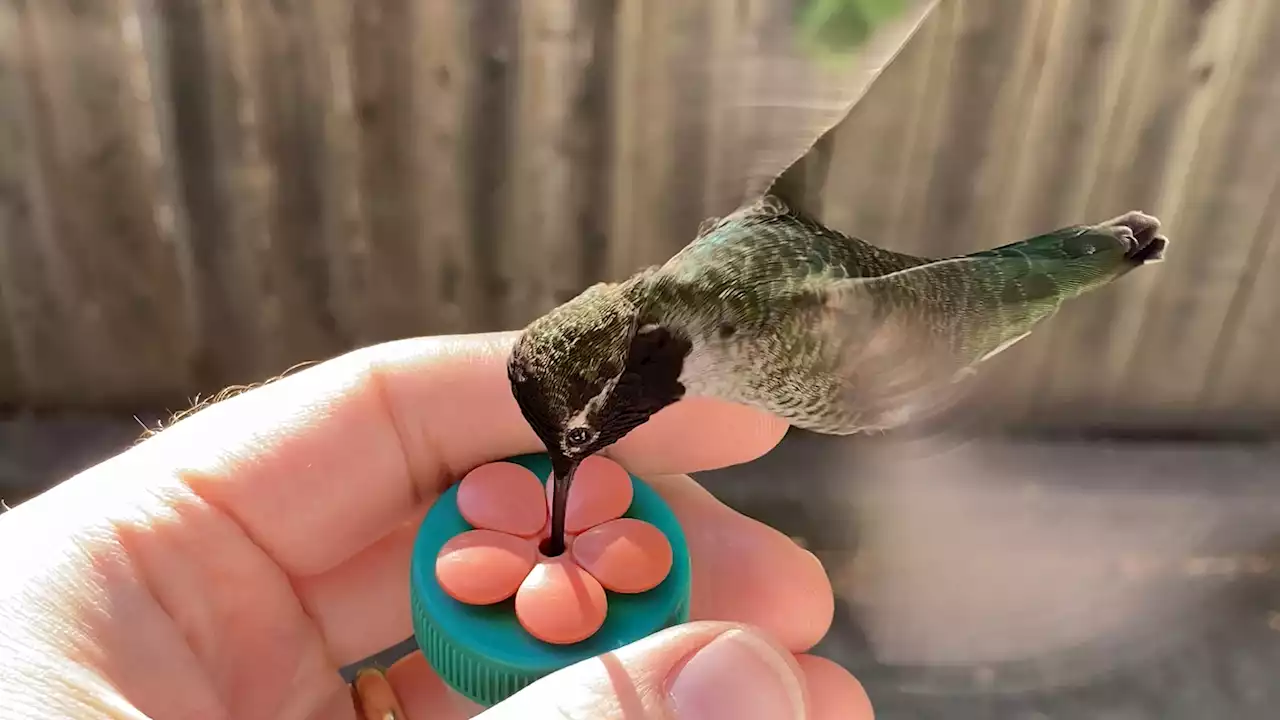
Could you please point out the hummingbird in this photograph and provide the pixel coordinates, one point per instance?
(769, 308)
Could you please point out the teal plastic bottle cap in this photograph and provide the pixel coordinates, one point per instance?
(484, 652)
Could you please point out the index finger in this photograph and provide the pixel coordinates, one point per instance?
(320, 464)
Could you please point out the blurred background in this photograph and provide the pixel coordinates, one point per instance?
(196, 194)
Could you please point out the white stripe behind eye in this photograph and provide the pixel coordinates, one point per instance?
(580, 418)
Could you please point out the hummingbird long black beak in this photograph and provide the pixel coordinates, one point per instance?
(563, 470)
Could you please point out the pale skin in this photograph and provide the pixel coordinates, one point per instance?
(228, 566)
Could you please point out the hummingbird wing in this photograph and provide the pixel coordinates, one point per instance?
(893, 355)
(794, 72)
(906, 342)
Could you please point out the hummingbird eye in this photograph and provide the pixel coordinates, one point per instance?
(578, 436)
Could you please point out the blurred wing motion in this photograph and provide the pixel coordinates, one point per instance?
(797, 68)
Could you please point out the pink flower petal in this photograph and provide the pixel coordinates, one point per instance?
(503, 496)
(625, 555)
(601, 492)
(560, 603)
(482, 567)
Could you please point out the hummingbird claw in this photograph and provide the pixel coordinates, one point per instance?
(1152, 252)
(1139, 231)
(1125, 235)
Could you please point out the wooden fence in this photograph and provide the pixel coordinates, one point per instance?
(195, 193)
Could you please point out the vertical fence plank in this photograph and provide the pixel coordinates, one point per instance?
(492, 30)
(1068, 108)
(202, 144)
(30, 305)
(983, 54)
(172, 217)
(1243, 388)
(344, 234)
(646, 156)
(675, 162)
(285, 96)
(1088, 64)
(1226, 194)
(1034, 37)
(102, 238)
(227, 185)
(250, 118)
(596, 115)
(724, 156)
(1145, 117)
(398, 284)
(1239, 379)
(689, 74)
(558, 126)
(661, 141)
(388, 80)
(547, 71)
(927, 123)
(640, 117)
(1166, 151)
(444, 77)
(12, 377)
(622, 254)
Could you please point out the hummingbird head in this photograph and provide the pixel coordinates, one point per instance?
(588, 373)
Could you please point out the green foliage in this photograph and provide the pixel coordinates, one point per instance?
(842, 26)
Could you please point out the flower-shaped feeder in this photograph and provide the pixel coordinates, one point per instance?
(493, 613)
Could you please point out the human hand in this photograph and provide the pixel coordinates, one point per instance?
(230, 565)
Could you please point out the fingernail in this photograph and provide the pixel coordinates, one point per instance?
(737, 676)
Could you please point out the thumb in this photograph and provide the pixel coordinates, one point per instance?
(696, 671)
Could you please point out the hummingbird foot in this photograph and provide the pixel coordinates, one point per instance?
(1140, 233)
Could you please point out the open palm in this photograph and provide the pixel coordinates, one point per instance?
(228, 566)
